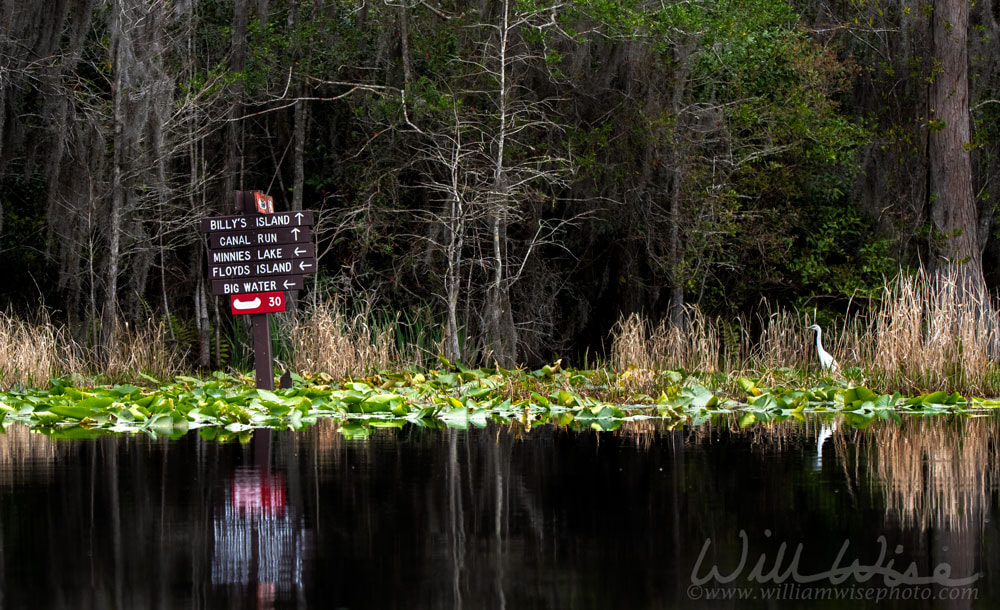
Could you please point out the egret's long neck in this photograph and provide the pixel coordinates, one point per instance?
(819, 343)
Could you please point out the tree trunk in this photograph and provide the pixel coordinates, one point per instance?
(92, 312)
(3, 122)
(300, 120)
(139, 266)
(300, 116)
(676, 252)
(162, 98)
(453, 279)
(404, 45)
(361, 17)
(238, 42)
(233, 138)
(204, 327)
(163, 288)
(119, 57)
(952, 203)
(501, 334)
(299, 181)
(675, 249)
(218, 333)
(3, 110)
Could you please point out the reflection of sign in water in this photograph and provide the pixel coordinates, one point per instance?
(259, 493)
(259, 539)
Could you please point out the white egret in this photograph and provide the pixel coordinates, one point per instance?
(826, 361)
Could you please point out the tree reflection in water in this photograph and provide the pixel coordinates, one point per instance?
(501, 517)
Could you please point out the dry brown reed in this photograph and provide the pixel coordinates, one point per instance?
(145, 349)
(29, 352)
(927, 333)
(325, 340)
(774, 340)
(851, 342)
(932, 333)
(32, 352)
(780, 342)
(695, 345)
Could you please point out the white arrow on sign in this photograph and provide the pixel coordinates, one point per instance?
(299, 252)
(298, 217)
(303, 265)
(287, 284)
(238, 304)
(296, 232)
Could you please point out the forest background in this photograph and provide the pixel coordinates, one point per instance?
(515, 175)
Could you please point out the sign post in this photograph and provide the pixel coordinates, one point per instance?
(254, 257)
(263, 359)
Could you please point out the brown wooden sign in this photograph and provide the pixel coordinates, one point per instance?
(253, 258)
(262, 253)
(261, 269)
(267, 237)
(258, 284)
(253, 253)
(302, 218)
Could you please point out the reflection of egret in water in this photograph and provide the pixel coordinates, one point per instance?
(826, 430)
(259, 539)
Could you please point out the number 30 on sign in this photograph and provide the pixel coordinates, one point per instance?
(257, 302)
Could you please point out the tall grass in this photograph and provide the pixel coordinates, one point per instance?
(321, 339)
(779, 345)
(34, 351)
(926, 333)
(929, 333)
(325, 340)
(146, 349)
(694, 346)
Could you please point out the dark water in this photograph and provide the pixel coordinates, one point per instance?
(506, 518)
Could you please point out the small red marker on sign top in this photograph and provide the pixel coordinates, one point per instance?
(265, 203)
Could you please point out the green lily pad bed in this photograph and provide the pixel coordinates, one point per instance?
(226, 407)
